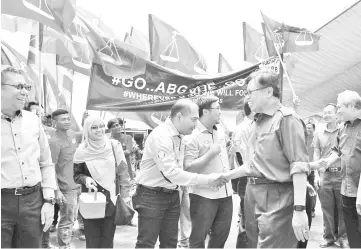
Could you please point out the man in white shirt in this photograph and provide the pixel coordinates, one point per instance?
(206, 153)
(27, 172)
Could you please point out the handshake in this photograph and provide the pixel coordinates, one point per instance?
(321, 165)
(217, 180)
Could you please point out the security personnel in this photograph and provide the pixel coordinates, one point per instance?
(277, 170)
(161, 172)
(329, 192)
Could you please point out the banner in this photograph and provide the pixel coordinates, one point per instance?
(159, 88)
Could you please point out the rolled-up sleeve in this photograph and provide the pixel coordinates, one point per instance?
(167, 164)
(122, 170)
(292, 133)
(48, 182)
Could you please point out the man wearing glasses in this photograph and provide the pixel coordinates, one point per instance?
(277, 169)
(116, 125)
(206, 153)
(27, 172)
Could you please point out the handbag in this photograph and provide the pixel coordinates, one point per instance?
(123, 212)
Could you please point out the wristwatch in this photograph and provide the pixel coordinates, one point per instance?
(52, 201)
(299, 207)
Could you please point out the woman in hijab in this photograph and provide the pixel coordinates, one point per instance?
(94, 167)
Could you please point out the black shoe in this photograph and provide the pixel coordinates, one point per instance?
(325, 244)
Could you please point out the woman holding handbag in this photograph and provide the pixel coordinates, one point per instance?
(95, 168)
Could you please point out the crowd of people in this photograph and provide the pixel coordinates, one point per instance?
(276, 162)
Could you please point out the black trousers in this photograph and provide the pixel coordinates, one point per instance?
(352, 221)
(21, 220)
(99, 233)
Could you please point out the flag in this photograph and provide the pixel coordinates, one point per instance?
(57, 14)
(254, 46)
(289, 38)
(75, 53)
(9, 56)
(223, 65)
(170, 49)
(119, 59)
(136, 38)
(268, 42)
(33, 61)
(126, 37)
(82, 58)
(19, 24)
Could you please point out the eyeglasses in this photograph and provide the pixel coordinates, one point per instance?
(249, 92)
(20, 86)
(94, 127)
(116, 125)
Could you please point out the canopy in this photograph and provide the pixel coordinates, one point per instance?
(319, 76)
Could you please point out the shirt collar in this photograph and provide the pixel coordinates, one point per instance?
(18, 113)
(270, 112)
(355, 122)
(169, 124)
(202, 128)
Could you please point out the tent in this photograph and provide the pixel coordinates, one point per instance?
(319, 76)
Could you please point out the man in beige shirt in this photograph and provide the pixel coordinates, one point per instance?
(161, 173)
(27, 172)
(206, 153)
(277, 169)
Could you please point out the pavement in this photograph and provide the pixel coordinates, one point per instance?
(126, 236)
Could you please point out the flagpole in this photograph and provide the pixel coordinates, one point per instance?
(71, 93)
(281, 80)
(285, 70)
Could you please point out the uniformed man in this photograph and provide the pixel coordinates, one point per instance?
(277, 170)
(348, 148)
(205, 153)
(161, 173)
(330, 181)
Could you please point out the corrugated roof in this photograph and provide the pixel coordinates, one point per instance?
(319, 76)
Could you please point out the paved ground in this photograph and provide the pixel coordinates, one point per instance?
(125, 236)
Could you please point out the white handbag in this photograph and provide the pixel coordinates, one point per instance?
(92, 205)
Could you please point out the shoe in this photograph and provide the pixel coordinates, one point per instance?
(344, 244)
(325, 244)
(52, 228)
(132, 224)
(82, 235)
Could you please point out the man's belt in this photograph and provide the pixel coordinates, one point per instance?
(21, 191)
(333, 169)
(261, 180)
(159, 189)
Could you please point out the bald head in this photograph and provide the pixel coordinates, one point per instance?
(183, 106)
(184, 114)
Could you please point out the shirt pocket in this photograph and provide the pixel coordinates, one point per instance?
(268, 141)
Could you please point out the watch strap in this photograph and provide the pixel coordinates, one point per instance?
(299, 207)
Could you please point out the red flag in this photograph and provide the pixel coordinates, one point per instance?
(268, 42)
(136, 38)
(119, 59)
(9, 56)
(254, 49)
(170, 49)
(19, 24)
(289, 38)
(55, 14)
(223, 65)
